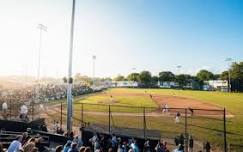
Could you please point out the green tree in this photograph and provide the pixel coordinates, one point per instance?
(205, 75)
(183, 79)
(236, 72)
(216, 76)
(83, 79)
(119, 78)
(145, 79)
(224, 75)
(154, 81)
(64, 79)
(133, 77)
(166, 76)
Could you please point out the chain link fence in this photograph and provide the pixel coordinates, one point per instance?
(203, 125)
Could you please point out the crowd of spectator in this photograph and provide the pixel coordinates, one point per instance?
(98, 143)
(41, 92)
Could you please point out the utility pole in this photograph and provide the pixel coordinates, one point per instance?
(93, 68)
(178, 69)
(69, 86)
(43, 28)
(229, 60)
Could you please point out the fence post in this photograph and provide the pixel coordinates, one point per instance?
(109, 119)
(61, 115)
(144, 123)
(225, 138)
(32, 111)
(82, 113)
(10, 108)
(186, 133)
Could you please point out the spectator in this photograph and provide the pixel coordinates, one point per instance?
(190, 144)
(25, 138)
(59, 148)
(110, 150)
(179, 149)
(176, 141)
(1, 148)
(147, 147)
(67, 146)
(35, 149)
(207, 147)
(177, 118)
(114, 142)
(124, 147)
(87, 149)
(16, 145)
(134, 146)
(82, 149)
(39, 144)
(29, 145)
(4, 109)
(24, 113)
(78, 140)
(181, 139)
(160, 146)
(73, 147)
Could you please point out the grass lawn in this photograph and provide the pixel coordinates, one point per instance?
(203, 128)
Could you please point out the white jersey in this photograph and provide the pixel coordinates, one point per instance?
(4, 106)
(23, 109)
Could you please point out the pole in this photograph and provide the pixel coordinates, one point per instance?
(93, 68)
(41, 27)
(144, 123)
(225, 137)
(61, 115)
(186, 133)
(32, 111)
(229, 81)
(10, 107)
(109, 119)
(69, 87)
(82, 113)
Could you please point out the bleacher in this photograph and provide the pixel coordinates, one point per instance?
(6, 137)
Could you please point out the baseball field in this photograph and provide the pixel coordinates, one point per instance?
(126, 107)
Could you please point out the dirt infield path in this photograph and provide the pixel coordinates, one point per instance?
(175, 101)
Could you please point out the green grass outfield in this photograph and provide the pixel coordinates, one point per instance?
(202, 128)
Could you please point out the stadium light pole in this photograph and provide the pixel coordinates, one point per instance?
(43, 28)
(93, 68)
(229, 60)
(178, 67)
(134, 69)
(69, 86)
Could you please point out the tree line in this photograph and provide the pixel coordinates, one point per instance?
(146, 79)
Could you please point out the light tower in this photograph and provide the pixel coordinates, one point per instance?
(43, 28)
(93, 69)
(70, 80)
(229, 60)
(178, 69)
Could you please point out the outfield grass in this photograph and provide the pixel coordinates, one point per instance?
(202, 128)
(233, 102)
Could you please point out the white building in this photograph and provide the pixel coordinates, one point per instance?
(125, 84)
(221, 85)
(167, 84)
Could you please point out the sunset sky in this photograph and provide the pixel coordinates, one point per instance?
(125, 35)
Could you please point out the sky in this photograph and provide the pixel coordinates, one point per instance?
(125, 36)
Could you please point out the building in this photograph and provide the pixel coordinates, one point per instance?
(220, 85)
(167, 84)
(125, 84)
